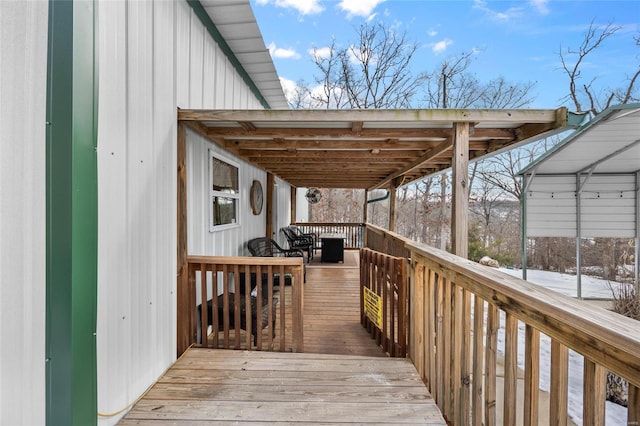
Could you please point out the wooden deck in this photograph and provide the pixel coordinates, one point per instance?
(332, 310)
(214, 386)
(343, 376)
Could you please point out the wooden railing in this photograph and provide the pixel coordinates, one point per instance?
(458, 308)
(352, 231)
(381, 240)
(383, 300)
(268, 322)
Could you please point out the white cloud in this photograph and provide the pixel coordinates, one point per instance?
(441, 46)
(304, 7)
(541, 6)
(432, 32)
(278, 52)
(362, 8)
(289, 87)
(322, 52)
(507, 15)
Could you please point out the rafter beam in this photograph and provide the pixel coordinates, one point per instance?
(441, 148)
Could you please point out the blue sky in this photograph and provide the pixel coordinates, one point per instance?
(519, 40)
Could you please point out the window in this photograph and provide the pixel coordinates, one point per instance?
(224, 193)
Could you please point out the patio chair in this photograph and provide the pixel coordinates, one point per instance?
(314, 237)
(266, 247)
(299, 241)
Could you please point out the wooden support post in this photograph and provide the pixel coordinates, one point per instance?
(365, 205)
(183, 338)
(392, 208)
(460, 188)
(269, 231)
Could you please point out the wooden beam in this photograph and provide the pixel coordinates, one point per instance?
(460, 185)
(439, 149)
(365, 145)
(326, 154)
(376, 115)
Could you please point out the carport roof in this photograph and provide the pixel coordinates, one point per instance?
(367, 148)
(608, 144)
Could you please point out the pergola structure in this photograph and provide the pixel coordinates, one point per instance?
(371, 149)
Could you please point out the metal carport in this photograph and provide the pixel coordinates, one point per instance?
(587, 186)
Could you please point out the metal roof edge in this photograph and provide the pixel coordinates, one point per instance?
(204, 17)
(604, 115)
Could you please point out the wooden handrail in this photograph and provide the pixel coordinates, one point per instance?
(219, 280)
(607, 338)
(450, 297)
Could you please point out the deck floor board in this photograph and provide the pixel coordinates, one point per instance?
(342, 377)
(240, 387)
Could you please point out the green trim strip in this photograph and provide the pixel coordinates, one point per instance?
(72, 215)
(204, 17)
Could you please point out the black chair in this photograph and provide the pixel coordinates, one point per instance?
(299, 241)
(314, 237)
(266, 247)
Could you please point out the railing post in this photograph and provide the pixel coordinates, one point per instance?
(531, 375)
(633, 406)
(559, 380)
(297, 296)
(594, 393)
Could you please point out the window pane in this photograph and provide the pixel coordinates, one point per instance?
(224, 211)
(225, 177)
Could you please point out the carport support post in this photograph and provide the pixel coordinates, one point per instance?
(579, 235)
(460, 182)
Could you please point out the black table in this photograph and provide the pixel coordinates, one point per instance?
(332, 247)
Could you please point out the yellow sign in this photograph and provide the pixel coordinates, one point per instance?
(373, 307)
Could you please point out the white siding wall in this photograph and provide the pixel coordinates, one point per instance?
(551, 207)
(608, 207)
(282, 210)
(154, 57)
(227, 242)
(23, 67)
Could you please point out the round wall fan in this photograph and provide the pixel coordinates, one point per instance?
(313, 195)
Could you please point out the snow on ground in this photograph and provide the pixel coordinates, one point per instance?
(567, 285)
(592, 287)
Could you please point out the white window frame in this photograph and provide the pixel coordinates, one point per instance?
(214, 193)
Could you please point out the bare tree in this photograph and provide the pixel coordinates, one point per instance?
(573, 64)
(451, 85)
(373, 72)
(483, 205)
